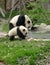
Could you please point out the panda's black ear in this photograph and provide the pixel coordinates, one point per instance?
(23, 29)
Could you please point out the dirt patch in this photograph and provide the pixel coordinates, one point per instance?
(3, 20)
(2, 62)
(3, 34)
(44, 61)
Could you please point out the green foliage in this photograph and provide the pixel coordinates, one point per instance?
(39, 14)
(42, 0)
(13, 13)
(8, 14)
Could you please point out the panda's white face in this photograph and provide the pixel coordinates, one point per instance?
(28, 22)
(23, 30)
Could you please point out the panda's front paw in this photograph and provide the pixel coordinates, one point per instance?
(34, 29)
(11, 38)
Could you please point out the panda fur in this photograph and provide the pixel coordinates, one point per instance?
(20, 20)
(20, 31)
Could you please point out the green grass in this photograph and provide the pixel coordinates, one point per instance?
(11, 51)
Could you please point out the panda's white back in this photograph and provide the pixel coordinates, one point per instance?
(13, 31)
(14, 20)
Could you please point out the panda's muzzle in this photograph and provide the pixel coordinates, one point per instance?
(25, 33)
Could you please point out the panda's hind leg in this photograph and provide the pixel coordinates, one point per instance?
(11, 38)
(10, 26)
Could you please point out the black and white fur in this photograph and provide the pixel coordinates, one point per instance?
(20, 20)
(20, 31)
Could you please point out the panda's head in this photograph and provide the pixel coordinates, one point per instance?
(23, 30)
(28, 22)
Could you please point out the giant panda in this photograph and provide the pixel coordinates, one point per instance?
(19, 31)
(20, 20)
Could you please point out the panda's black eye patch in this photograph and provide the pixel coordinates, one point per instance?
(23, 29)
(28, 22)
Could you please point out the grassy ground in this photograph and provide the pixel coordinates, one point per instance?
(19, 52)
(22, 52)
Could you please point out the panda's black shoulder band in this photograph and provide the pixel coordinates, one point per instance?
(19, 33)
(21, 20)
